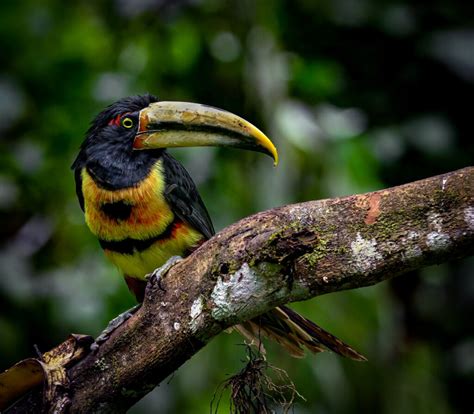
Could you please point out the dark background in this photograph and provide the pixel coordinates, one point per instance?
(357, 95)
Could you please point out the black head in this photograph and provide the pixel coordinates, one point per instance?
(127, 138)
(107, 151)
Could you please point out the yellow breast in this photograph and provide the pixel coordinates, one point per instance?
(139, 264)
(149, 213)
(148, 217)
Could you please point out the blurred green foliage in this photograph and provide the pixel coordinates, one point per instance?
(357, 95)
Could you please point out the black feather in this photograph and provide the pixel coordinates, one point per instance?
(107, 152)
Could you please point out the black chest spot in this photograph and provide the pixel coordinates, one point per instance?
(118, 210)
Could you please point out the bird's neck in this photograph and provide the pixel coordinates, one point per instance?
(115, 171)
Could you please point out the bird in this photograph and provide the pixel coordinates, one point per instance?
(145, 209)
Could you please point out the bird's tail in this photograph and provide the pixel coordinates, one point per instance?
(293, 332)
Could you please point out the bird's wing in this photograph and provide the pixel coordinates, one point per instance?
(183, 197)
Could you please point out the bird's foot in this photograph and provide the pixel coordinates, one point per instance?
(112, 326)
(158, 274)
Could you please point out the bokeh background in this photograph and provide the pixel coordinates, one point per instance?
(358, 95)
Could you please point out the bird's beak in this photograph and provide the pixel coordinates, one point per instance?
(183, 124)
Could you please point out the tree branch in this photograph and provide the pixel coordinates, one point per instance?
(278, 256)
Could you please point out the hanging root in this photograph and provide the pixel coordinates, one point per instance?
(253, 391)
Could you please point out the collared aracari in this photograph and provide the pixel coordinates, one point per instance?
(144, 207)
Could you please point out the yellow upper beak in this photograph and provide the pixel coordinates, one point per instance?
(183, 124)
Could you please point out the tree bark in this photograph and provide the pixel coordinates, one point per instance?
(286, 254)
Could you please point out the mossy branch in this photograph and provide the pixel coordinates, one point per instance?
(278, 256)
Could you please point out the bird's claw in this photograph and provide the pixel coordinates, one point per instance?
(158, 274)
(112, 326)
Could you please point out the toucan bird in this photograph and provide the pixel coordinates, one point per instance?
(144, 207)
